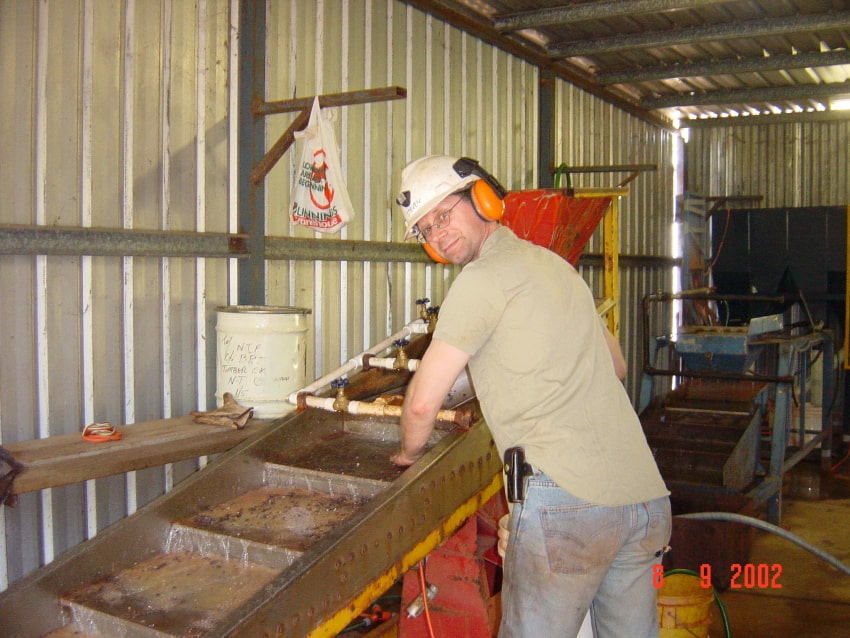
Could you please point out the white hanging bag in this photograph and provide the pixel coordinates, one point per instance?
(319, 197)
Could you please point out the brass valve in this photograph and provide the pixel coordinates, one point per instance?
(341, 401)
(401, 358)
(428, 313)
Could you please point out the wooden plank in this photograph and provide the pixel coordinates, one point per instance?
(349, 98)
(64, 459)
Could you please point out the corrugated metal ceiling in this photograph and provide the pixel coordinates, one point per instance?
(679, 59)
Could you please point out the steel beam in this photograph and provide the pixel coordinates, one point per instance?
(51, 240)
(343, 250)
(692, 35)
(766, 119)
(725, 67)
(42, 240)
(590, 11)
(747, 96)
(546, 126)
(251, 273)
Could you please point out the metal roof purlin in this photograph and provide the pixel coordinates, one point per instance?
(705, 33)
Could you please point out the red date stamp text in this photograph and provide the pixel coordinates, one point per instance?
(742, 576)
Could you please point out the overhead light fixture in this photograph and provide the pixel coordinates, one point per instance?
(840, 104)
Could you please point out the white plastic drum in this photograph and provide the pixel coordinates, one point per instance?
(261, 356)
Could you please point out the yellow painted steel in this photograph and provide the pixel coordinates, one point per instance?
(610, 251)
(334, 625)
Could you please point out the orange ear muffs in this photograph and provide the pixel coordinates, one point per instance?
(434, 255)
(486, 200)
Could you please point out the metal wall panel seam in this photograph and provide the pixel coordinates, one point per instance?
(798, 154)
(86, 296)
(429, 83)
(367, 191)
(478, 47)
(165, 224)
(201, 336)
(292, 75)
(128, 290)
(422, 25)
(345, 85)
(319, 318)
(408, 118)
(446, 97)
(464, 100)
(496, 101)
(43, 361)
(387, 317)
(507, 162)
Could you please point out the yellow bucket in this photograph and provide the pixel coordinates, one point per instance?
(684, 607)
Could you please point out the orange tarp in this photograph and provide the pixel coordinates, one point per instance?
(550, 218)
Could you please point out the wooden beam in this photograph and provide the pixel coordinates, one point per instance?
(67, 458)
(348, 98)
(259, 172)
(279, 148)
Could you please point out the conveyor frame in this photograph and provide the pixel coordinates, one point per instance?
(791, 364)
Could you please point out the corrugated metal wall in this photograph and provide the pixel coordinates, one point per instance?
(122, 115)
(113, 115)
(788, 165)
(590, 132)
(463, 98)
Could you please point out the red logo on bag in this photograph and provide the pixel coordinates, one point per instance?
(319, 176)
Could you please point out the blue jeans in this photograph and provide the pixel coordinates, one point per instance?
(566, 556)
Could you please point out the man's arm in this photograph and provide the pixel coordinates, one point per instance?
(440, 366)
(616, 354)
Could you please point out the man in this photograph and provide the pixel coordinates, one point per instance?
(596, 513)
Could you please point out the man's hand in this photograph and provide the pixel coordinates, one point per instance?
(440, 366)
(504, 535)
(403, 460)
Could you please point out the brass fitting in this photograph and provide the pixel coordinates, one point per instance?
(428, 313)
(341, 401)
(401, 358)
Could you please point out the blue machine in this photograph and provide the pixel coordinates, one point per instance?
(715, 398)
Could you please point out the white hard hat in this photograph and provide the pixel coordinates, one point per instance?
(427, 181)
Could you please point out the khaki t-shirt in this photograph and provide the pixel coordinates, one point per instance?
(543, 373)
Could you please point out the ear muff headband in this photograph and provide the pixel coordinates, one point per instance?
(486, 193)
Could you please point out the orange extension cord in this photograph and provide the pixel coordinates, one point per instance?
(100, 432)
(424, 587)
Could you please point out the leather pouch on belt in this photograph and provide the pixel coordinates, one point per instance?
(516, 469)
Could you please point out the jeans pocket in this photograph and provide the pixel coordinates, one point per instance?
(659, 527)
(579, 538)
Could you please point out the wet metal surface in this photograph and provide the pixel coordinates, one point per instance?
(344, 452)
(290, 517)
(178, 594)
(284, 531)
